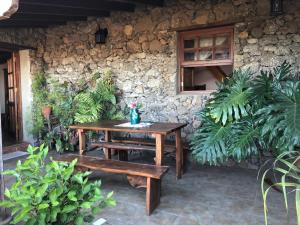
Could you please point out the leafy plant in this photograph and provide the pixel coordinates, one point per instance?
(98, 101)
(247, 117)
(40, 93)
(86, 100)
(52, 193)
(286, 166)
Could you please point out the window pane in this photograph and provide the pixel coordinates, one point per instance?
(205, 55)
(202, 78)
(222, 54)
(221, 40)
(206, 42)
(189, 43)
(190, 56)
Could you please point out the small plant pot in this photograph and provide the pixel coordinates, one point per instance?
(46, 111)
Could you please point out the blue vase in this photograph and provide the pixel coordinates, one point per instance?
(135, 117)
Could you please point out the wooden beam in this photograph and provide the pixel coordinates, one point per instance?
(43, 17)
(145, 2)
(217, 72)
(56, 10)
(8, 24)
(4, 46)
(79, 4)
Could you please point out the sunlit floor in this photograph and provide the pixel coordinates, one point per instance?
(204, 196)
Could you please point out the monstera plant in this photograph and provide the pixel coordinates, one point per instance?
(249, 116)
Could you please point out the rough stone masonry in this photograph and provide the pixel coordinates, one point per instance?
(141, 49)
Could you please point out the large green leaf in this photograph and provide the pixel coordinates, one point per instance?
(232, 100)
(209, 142)
(242, 143)
(280, 120)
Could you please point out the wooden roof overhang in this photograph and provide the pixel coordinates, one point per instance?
(44, 13)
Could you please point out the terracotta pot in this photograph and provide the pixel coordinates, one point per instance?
(46, 110)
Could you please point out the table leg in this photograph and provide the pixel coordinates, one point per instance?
(107, 151)
(160, 142)
(179, 154)
(81, 136)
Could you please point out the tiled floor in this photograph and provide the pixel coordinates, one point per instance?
(204, 196)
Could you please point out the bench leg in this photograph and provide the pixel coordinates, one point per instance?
(107, 151)
(152, 194)
(179, 155)
(81, 136)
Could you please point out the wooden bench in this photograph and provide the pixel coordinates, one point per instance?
(123, 145)
(143, 141)
(153, 174)
(123, 148)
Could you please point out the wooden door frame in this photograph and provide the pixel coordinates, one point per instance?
(17, 95)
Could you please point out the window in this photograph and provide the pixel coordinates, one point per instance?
(205, 57)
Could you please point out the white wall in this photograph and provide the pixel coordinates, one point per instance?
(26, 95)
(2, 91)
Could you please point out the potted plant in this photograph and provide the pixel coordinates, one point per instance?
(46, 110)
(52, 193)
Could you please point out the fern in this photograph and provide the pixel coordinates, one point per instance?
(98, 101)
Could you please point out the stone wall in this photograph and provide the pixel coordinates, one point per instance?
(27, 37)
(141, 49)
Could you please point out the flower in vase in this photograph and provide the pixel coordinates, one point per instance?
(135, 105)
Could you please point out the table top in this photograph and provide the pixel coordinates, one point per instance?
(110, 125)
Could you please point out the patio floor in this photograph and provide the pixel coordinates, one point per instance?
(204, 196)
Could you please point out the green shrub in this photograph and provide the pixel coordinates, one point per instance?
(86, 100)
(248, 117)
(98, 101)
(52, 193)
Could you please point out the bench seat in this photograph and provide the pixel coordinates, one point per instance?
(152, 173)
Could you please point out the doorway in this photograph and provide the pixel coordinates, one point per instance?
(10, 98)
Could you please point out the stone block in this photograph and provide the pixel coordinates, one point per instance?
(257, 32)
(296, 38)
(155, 46)
(223, 11)
(270, 27)
(133, 46)
(201, 18)
(270, 48)
(143, 24)
(243, 35)
(128, 30)
(252, 41)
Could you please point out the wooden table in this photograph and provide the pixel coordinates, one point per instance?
(158, 130)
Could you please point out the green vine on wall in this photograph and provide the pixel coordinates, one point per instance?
(87, 100)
